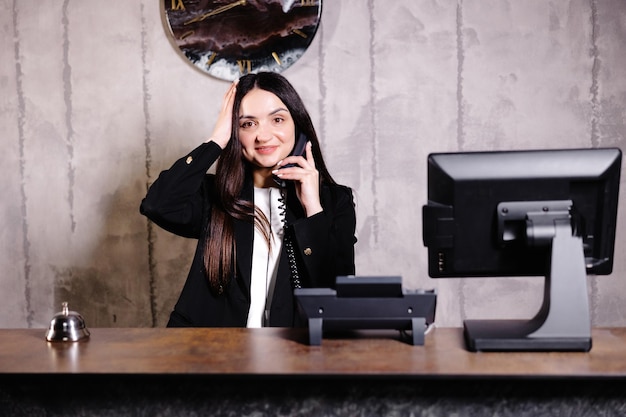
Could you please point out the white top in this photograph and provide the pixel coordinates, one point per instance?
(264, 260)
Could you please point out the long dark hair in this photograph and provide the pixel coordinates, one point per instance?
(232, 170)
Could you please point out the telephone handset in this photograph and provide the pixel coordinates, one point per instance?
(298, 150)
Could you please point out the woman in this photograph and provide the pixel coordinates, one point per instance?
(257, 241)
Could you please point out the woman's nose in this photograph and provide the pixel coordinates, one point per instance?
(263, 134)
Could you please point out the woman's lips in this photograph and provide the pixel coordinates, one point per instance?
(266, 150)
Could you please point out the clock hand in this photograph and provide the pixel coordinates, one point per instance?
(216, 11)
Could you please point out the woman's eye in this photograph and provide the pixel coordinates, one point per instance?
(247, 124)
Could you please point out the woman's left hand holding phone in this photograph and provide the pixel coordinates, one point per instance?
(224, 124)
(306, 177)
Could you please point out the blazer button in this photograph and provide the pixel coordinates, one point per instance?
(189, 160)
(308, 251)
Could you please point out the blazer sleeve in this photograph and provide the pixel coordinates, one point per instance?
(325, 242)
(175, 201)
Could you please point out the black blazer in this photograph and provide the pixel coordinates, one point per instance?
(179, 201)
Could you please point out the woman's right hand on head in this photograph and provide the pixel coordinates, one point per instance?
(223, 126)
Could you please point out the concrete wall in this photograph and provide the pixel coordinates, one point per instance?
(95, 102)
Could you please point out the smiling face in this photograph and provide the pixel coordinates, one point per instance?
(266, 132)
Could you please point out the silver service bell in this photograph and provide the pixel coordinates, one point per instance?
(67, 326)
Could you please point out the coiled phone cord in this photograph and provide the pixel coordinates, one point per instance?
(291, 254)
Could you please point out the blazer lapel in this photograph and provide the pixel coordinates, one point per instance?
(294, 208)
(244, 235)
(244, 238)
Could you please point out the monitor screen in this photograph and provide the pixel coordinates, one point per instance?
(494, 214)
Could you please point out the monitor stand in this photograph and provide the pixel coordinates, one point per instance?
(563, 321)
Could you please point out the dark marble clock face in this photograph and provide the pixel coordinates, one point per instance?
(230, 38)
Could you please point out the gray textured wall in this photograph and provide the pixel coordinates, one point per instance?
(94, 102)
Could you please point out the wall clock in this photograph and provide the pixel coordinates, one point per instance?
(230, 38)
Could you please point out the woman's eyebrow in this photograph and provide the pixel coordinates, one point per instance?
(278, 110)
(273, 112)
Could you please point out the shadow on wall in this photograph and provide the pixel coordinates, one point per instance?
(136, 272)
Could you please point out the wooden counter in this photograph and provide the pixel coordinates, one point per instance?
(270, 372)
(285, 352)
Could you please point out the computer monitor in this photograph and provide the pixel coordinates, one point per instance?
(548, 213)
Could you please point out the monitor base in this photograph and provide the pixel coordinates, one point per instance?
(515, 335)
(563, 322)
